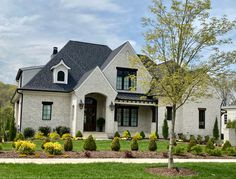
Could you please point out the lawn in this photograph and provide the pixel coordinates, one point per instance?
(108, 170)
(103, 145)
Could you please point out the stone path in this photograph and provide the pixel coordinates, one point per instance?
(101, 160)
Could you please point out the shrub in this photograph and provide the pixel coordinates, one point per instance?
(126, 134)
(90, 144)
(62, 130)
(19, 136)
(231, 124)
(54, 136)
(117, 134)
(216, 130)
(152, 145)
(137, 136)
(0, 147)
(79, 134)
(25, 147)
(142, 134)
(45, 130)
(165, 129)
(214, 152)
(38, 135)
(46, 140)
(115, 145)
(197, 150)
(29, 132)
(179, 150)
(231, 151)
(210, 145)
(191, 144)
(66, 136)
(192, 137)
(53, 148)
(207, 138)
(226, 145)
(182, 137)
(68, 144)
(199, 139)
(12, 130)
(153, 136)
(134, 145)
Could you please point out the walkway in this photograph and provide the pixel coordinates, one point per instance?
(101, 160)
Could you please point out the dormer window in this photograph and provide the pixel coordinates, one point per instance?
(60, 73)
(60, 76)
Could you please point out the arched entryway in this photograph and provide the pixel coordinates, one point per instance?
(90, 114)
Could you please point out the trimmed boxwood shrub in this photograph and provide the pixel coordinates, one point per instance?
(45, 130)
(62, 130)
(54, 136)
(66, 136)
(90, 144)
(25, 147)
(134, 145)
(226, 145)
(197, 150)
(231, 151)
(115, 145)
(137, 136)
(142, 134)
(29, 132)
(210, 144)
(153, 136)
(152, 145)
(199, 139)
(179, 150)
(46, 140)
(214, 152)
(68, 144)
(53, 148)
(117, 134)
(39, 135)
(126, 134)
(191, 143)
(79, 134)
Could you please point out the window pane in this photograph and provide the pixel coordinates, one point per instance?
(60, 76)
(125, 117)
(126, 83)
(119, 82)
(169, 113)
(118, 115)
(201, 119)
(134, 117)
(47, 109)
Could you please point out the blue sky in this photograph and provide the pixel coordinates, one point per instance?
(30, 28)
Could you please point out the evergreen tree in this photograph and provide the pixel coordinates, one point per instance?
(165, 129)
(12, 130)
(216, 130)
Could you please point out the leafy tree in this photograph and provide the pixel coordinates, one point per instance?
(176, 35)
(165, 129)
(216, 130)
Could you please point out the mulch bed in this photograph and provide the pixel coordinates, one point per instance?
(171, 172)
(106, 154)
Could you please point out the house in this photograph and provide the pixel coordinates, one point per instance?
(83, 82)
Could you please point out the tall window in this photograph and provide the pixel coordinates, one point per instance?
(225, 118)
(126, 79)
(202, 116)
(127, 116)
(169, 113)
(60, 76)
(47, 110)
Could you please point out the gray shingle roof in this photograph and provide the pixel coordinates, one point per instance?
(134, 97)
(81, 57)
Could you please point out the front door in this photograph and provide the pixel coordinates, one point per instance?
(90, 111)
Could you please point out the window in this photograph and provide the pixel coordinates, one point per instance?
(60, 76)
(126, 79)
(127, 116)
(169, 113)
(47, 110)
(202, 114)
(225, 118)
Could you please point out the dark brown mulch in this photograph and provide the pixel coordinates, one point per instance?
(171, 172)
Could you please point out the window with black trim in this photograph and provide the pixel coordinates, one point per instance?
(127, 116)
(225, 118)
(169, 110)
(47, 110)
(202, 116)
(126, 79)
(61, 76)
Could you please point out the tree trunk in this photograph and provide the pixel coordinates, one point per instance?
(172, 135)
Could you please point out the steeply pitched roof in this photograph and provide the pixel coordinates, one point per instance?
(81, 57)
(27, 68)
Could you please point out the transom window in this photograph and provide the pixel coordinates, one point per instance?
(47, 110)
(202, 117)
(126, 79)
(127, 116)
(60, 76)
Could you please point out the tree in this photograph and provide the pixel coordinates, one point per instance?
(176, 35)
(216, 130)
(12, 130)
(165, 129)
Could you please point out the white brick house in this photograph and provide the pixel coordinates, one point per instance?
(83, 82)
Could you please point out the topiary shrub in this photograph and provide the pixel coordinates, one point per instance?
(153, 136)
(216, 132)
(226, 145)
(79, 134)
(12, 130)
(206, 139)
(165, 129)
(179, 150)
(66, 136)
(117, 134)
(152, 145)
(134, 145)
(126, 134)
(199, 139)
(68, 144)
(19, 136)
(45, 130)
(191, 144)
(214, 152)
(115, 145)
(142, 134)
(54, 136)
(39, 135)
(90, 144)
(210, 145)
(53, 148)
(231, 151)
(62, 130)
(137, 136)
(46, 140)
(25, 147)
(197, 150)
(29, 132)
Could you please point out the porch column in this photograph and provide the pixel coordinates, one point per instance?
(110, 123)
(154, 127)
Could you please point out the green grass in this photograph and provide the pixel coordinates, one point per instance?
(102, 145)
(109, 170)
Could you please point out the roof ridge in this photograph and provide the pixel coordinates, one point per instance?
(89, 43)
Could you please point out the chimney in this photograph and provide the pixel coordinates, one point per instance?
(54, 52)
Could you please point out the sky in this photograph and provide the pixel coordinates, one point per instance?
(29, 29)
